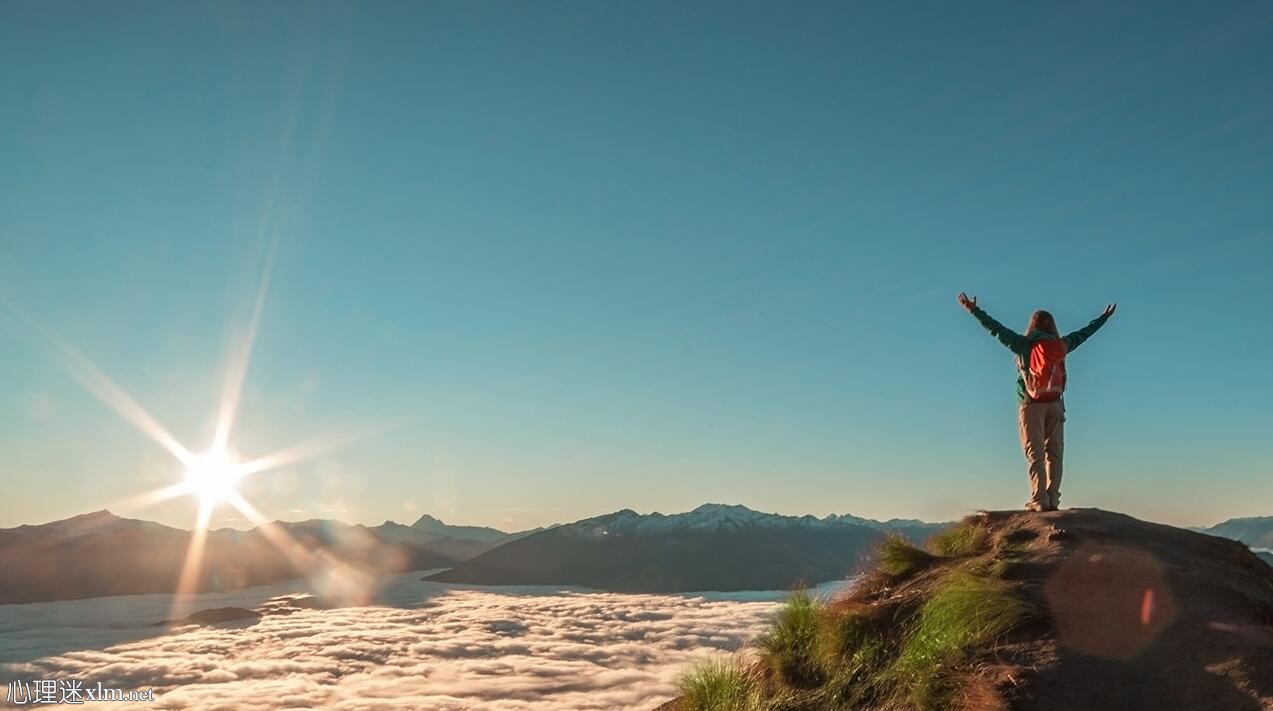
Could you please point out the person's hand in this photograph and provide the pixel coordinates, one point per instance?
(966, 302)
(1109, 310)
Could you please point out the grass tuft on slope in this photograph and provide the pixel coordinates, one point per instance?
(792, 645)
(908, 639)
(719, 684)
(962, 539)
(898, 557)
(965, 611)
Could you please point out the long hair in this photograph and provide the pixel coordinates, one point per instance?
(1042, 321)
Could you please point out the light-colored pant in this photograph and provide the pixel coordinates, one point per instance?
(1042, 427)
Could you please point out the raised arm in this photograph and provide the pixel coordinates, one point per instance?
(1014, 341)
(1075, 339)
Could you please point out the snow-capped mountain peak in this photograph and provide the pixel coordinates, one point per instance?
(705, 518)
(713, 517)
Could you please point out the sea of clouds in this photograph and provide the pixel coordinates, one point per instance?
(421, 646)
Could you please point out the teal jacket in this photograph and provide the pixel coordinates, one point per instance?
(1020, 345)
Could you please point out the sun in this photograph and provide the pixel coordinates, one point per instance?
(213, 476)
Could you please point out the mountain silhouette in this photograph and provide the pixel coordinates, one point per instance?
(99, 554)
(713, 547)
(1256, 531)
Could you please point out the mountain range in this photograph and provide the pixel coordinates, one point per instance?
(456, 542)
(99, 553)
(713, 547)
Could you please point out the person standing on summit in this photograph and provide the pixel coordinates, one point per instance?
(1040, 356)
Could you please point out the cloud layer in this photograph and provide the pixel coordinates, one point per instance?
(461, 649)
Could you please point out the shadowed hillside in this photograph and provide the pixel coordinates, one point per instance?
(1078, 609)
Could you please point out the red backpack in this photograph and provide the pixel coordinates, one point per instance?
(1044, 375)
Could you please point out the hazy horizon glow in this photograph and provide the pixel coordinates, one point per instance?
(627, 256)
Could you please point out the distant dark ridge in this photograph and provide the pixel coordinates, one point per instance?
(100, 554)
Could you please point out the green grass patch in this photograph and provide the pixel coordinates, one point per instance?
(962, 539)
(965, 611)
(889, 647)
(794, 643)
(719, 684)
(861, 649)
(898, 557)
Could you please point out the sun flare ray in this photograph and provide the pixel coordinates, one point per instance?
(275, 535)
(325, 571)
(188, 579)
(100, 385)
(297, 453)
(240, 359)
(147, 499)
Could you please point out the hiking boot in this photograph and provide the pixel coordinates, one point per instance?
(1033, 506)
(1054, 501)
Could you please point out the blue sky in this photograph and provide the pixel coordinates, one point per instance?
(565, 258)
